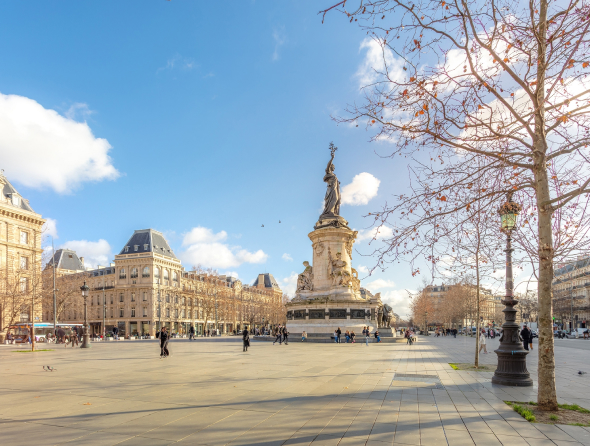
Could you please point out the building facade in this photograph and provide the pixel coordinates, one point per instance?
(571, 294)
(20, 258)
(147, 287)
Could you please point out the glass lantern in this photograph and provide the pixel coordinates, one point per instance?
(508, 221)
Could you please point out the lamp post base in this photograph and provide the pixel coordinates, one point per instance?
(511, 369)
(85, 341)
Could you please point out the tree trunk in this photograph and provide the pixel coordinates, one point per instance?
(547, 395)
(478, 319)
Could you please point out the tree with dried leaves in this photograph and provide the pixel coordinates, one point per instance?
(495, 93)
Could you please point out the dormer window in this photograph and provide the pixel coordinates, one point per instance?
(126, 248)
(15, 200)
(135, 247)
(146, 247)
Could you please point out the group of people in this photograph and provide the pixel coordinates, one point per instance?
(410, 336)
(446, 332)
(282, 335)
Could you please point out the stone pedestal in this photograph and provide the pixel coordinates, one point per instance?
(329, 293)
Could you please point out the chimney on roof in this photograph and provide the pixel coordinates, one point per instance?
(261, 281)
(82, 261)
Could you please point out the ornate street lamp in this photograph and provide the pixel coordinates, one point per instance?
(511, 369)
(86, 337)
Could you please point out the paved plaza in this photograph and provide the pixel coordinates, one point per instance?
(210, 393)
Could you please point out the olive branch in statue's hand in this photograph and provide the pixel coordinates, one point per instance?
(333, 149)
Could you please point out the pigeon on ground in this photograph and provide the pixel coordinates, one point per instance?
(49, 368)
(582, 373)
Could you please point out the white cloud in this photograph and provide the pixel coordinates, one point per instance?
(377, 233)
(379, 284)
(204, 247)
(231, 274)
(178, 61)
(50, 228)
(94, 253)
(279, 37)
(363, 188)
(374, 64)
(41, 148)
(289, 284)
(78, 109)
(362, 269)
(287, 257)
(203, 235)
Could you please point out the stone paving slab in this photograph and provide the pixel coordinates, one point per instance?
(211, 393)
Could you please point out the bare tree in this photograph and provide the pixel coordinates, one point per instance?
(495, 90)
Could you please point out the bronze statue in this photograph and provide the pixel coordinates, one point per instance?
(332, 199)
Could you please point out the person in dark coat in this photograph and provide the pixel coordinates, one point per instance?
(526, 336)
(192, 333)
(164, 336)
(246, 339)
(285, 335)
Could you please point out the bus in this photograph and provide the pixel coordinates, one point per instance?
(20, 331)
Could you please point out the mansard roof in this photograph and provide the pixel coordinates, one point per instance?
(269, 281)
(66, 259)
(11, 196)
(148, 240)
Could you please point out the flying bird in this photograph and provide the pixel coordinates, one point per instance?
(263, 226)
(279, 221)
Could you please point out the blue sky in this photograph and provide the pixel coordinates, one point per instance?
(201, 121)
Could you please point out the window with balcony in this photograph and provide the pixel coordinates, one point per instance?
(132, 297)
(176, 299)
(156, 272)
(122, 274)
(121, 298)
(166, 275)
(24, 284)
(167, 312)
(111, 299)
(146, 272)
(184, 313)
(176, 313)
(24, 263)
(134, 273)
(168, 298)
(132, 311)
(121, 312)
(144, 296)
(144, 311)
(174, 276)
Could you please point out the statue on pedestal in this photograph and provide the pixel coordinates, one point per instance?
(332, 199)
(305, 279)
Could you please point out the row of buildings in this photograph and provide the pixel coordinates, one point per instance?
(144, 288)
(571, 293)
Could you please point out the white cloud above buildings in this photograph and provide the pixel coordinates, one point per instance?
(361, 190)
(202, 246)
(40, 148)
(287, 257)
(50, 228)
(94, 253)
(379, 284)
(289, 284)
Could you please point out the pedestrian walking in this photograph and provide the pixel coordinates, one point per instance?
(526, 336)
(339, 332)
(74, 337)
(285, 335)
(191, 333)
(367, 334)
(482, 342)
(246, 339)
(164, 337)
(278, 336)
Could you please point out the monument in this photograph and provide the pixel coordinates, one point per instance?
(328, 292)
